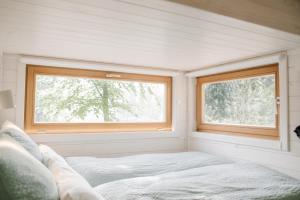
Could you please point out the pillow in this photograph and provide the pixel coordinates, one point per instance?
(20, 136)
(21, 175)
(70, 184)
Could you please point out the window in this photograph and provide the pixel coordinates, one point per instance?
(243, 102)
(77, 100)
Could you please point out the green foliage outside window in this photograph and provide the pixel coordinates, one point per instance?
(248, 101)
(71, 99)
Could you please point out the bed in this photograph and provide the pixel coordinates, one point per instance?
(180, 176)
(31, 171)
(98, 171)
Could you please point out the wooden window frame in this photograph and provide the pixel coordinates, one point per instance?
(32, 127)
(239, 130)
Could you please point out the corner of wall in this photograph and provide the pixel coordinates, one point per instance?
(271, 158)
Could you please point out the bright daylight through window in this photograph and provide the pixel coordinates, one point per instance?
(95, 100)
(240, 102)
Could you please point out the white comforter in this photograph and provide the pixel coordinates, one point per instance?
(183, 176)
(237, 181)
(102, 170)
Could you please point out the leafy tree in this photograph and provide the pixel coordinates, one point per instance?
(246, 101)
(76, 99)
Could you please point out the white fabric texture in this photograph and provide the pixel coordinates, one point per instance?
(236, 181)
(21, 175)
(102, 170)
(21, 137)
(71, 185)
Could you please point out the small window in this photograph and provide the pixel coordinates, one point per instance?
(243, 102)
(77, 100)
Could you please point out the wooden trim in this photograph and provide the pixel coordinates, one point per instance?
(32, 127)
(237, 129)
(275, 138)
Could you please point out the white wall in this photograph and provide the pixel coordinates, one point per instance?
(1, 71)
(8, 80)
(121, 143)
(287, 162)
(98, 144)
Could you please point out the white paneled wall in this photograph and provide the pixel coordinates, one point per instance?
(288, 162)
(1, 71)
(102, 144)
(294, 99)
(120, 143)
(8, 80)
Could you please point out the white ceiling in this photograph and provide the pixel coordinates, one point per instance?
(152, 33)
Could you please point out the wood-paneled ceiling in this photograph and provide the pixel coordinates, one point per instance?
(279, 14)
(151, 33)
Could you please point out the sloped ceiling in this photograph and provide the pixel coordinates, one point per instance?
(151, 33)
(279, 14)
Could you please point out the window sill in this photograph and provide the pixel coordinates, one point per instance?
(239, 140)
(71, 130)
(89, 138)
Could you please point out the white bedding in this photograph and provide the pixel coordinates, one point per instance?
(183, 176)
(102, 170)
(235, 181)
(70, 184)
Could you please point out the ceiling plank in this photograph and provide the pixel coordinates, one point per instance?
(280, 14)
(152, 33)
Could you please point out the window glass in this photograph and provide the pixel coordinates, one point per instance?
(245, 101)
(67, 99)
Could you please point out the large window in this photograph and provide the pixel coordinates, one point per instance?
(77, 100)
(241, 102)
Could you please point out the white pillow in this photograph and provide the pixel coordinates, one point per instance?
(22, 138)
(71, 185)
